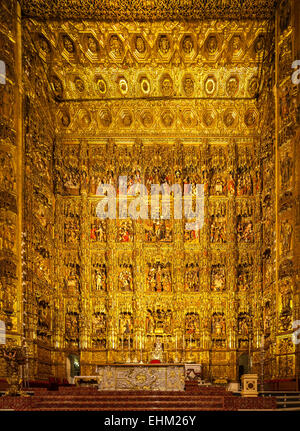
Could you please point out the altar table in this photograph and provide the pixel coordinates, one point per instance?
(147, 377)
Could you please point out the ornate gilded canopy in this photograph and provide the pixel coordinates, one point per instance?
(148, 10)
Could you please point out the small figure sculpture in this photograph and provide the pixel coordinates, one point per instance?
(157, 354)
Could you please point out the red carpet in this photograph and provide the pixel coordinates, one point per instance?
(89, 399)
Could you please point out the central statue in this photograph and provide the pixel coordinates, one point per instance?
(157, 354)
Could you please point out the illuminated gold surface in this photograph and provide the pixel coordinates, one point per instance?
(199, 102)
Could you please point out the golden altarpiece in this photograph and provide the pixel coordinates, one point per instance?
(163, 92)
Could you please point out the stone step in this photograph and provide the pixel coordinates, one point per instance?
(127, 404)
(80, 398)
(156, 409)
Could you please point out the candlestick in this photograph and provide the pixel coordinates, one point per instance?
(141, 361)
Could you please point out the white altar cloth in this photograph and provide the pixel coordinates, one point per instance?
(151, 377)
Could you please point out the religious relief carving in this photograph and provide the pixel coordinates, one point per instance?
(98, 226)
(71, 275)
(158, 171)
(188, 85)
(44, 44)
(230, 117)
(7, 232)
(7, 99)
(68, 44)
(211, 44)
(232, 86)
(209, 117)
(259, 44)
(192, 324)
(235, 45)
(243, 324)
(99, 326)
(285, 346)
(71, 223)
(72, 326)
(7, 299)
(98, 173)
(191, 236)
(124, 231)
(159, 321)
(217, 171)
(245, 273)
(99, 274)
(92, 44)
(218, 278)
(286, 366)
(115, 47)
(146, 118)
(125, 277)
(70, 169)
(187, 45)
(8, 172)
(250, 118)
(159, 278)
(98, 230)
(285, 58)
(79, 85)
(166, 85)
(218, 330)
(140, 44)
(253, 86)
(128, 167)
(189, 118)
(286, 236)
(42, 255)
(288, 106)
(44, 319)
(245, 228)
(286, 305)
(57, 87)
(286, 171)
(158, 230)
(218, 222)
(126, 324)
(267, 316)
(163, 44)
(191, 278)
(125, 118)
(65, 118)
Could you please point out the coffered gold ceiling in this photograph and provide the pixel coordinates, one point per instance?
(130, 77)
